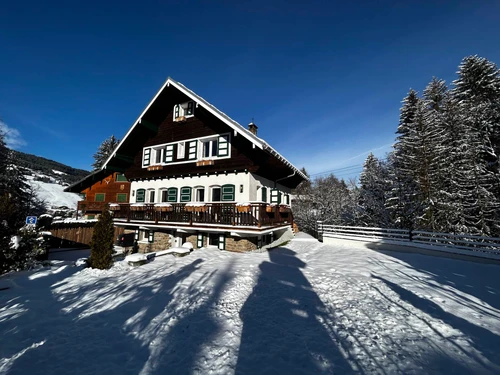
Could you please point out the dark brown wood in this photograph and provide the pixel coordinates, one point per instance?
(210, 213)
(107, 186)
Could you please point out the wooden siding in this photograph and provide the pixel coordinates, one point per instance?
(77, 235)
(243, 155)
(108, 186)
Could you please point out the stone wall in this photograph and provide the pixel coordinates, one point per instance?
(241, 245)
(162, 241)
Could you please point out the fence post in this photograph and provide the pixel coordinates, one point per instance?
(410, 234)
(319, 230)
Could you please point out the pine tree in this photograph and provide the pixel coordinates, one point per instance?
(104, 151)
(477, 90)
(403, 199)
(101, 246)
(372, 194)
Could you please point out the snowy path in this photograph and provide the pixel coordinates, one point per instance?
(306, 308)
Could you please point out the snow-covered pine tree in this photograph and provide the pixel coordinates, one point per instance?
(101, 245)
(372, 194)
(304, 211)
(104, 151)
(433, 156)
(403, 200)
(477, 90)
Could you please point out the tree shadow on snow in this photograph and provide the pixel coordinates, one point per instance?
(476, 279)
(103, 327)
(281, 332)
(483, 340)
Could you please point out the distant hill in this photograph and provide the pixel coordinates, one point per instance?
(49, 170)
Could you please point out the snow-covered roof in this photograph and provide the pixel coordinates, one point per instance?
(258, 142)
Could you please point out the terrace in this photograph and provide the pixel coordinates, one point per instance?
(194, 214)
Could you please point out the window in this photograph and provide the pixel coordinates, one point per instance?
(172, 195)
(158, 154)
(181, 150)
(216, 194)
(228, 192)
(287, 199)
(140, 195)
(199, 194)
(209, 148)
(215, 147)
(164, 195)
(120, 177)
(146, 158)
(185, 194)
(99, 197)
(151, 196)
(90, 217)
(184, 109)
(121, 197)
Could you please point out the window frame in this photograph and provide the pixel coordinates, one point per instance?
(121, 194)
(119, 177)
(138, 198)
(100, 194)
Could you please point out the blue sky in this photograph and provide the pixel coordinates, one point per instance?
(323, 80)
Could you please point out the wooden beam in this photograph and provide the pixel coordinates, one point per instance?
(127, 158)
(148, 125)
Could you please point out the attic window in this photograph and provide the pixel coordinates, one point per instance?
(183, 110)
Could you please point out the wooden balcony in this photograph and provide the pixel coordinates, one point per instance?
(87, 206)
(223, 214)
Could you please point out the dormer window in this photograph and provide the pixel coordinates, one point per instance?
(183, 110)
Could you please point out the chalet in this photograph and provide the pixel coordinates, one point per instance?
(197, 175)
(99, 188)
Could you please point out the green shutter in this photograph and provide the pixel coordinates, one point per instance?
(172, 195)
(185, 194)
(169, 153)
(99, 197)
(192, 150)
(223, 149)
(287, 199)
(199, 242)
(121, 197)
(222, 241)
(151, 237)
(275, 196)
(264, 194)
(146, 160)
(121, 178)
(177, 112)
(227, 193)
(139, 195)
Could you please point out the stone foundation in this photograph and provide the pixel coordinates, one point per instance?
(241, 245)
(162, 241)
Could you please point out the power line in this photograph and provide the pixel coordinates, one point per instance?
(345, 170)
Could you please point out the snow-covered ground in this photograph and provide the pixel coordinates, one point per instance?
(53, 194)
(305, 308)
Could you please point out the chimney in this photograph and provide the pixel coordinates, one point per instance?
(253, 128)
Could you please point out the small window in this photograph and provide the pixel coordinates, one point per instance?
(99, 197)
(209, 148)
(186, 194)
(151, 196)
(90, 217)
(120, 177)
(164, 195)
(287, 199)
(172, 195)
(190, 109)
(216, 193)
(199, 194)
(84, 196)
(140, 195)
(121, 197)
(158, 155)
(228, 193)
(181, 150)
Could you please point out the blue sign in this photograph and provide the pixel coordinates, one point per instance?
(31, 220)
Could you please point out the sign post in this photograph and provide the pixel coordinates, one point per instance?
(30, 220)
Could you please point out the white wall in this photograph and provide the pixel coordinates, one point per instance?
(235, 179)
(257, 182)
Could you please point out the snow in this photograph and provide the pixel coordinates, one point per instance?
(305, 308)
(58, 172)
(54, 194)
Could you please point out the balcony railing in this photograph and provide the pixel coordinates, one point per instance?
(87, 206)
(258, 215)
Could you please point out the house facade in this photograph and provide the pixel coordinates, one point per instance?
(197, 175)
(98, 189)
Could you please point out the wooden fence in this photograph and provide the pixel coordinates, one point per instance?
(75, 235)
(488, 247)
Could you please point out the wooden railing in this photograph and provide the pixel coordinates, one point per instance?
(210, 213)
(458, 243)
(86, 206)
